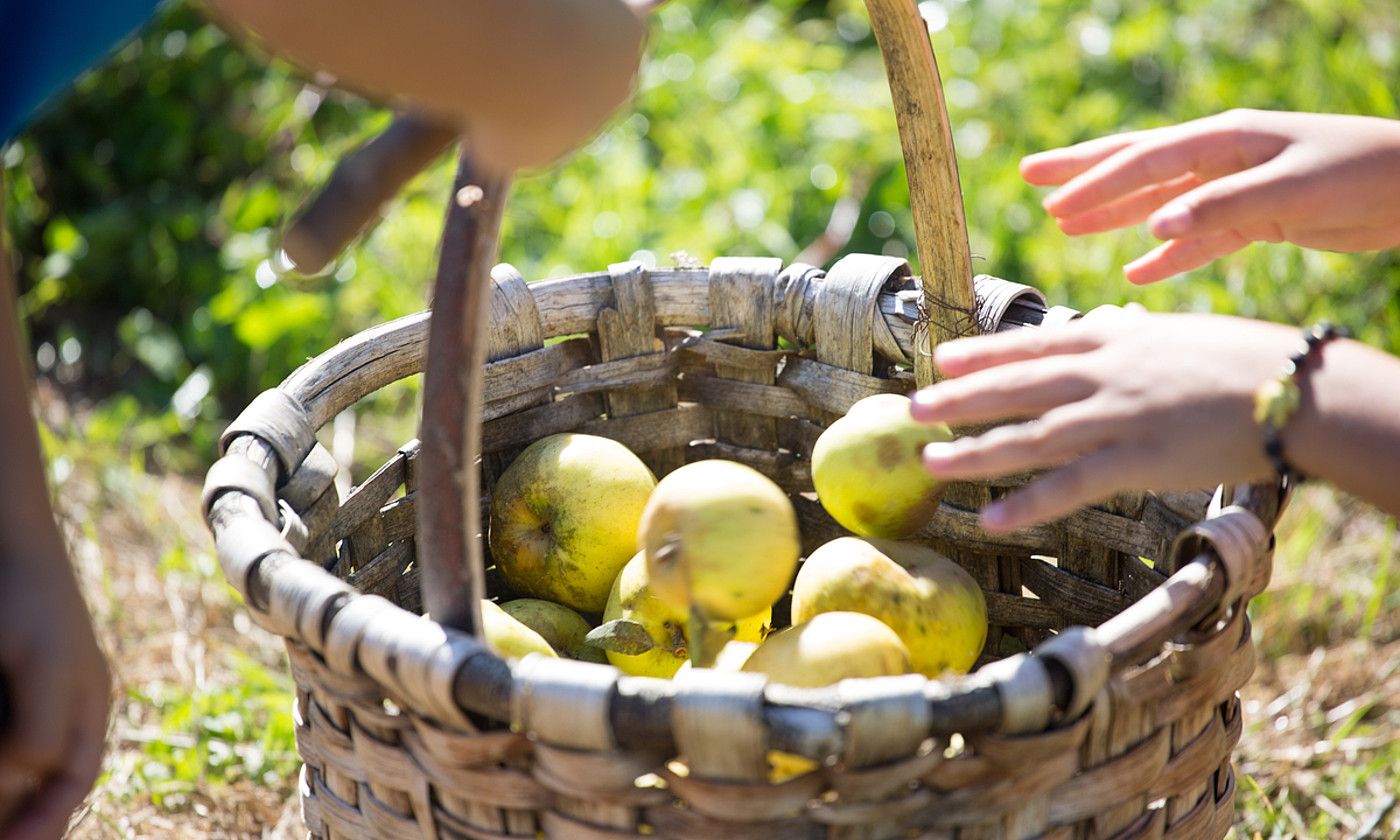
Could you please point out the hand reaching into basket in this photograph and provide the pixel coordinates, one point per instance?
(1132, 401)
(1211, 186)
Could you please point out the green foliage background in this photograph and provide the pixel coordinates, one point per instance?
(144, 203)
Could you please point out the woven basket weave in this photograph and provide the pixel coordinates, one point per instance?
(1105, 704)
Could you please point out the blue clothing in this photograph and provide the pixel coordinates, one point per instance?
(46, 44)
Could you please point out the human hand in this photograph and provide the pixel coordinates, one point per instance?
(59, 691)
(1120, 401)
(1211, 186)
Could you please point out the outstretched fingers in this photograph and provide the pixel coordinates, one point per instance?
(1131, 209)
(1083, 481)
(1257, 198)
(1182, 255)
(1208, 148)
(969, 355)
(1058, 436)
(1056, 166)
(1026, 389)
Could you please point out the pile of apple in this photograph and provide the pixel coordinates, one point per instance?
(685, 572)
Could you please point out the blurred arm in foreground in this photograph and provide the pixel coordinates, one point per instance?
(523, 80)
(57, 679)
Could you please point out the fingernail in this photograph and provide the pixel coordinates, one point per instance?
(924, 408)
(952, 353)
(1171, 221)
(1133, 272)
(938, 452)
(923, 401)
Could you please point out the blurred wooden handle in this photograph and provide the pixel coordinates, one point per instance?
(450, 529)
(362, 183)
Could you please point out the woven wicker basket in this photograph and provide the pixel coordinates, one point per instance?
(1105, 704)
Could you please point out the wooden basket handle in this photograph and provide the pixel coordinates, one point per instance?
(449, 526)
(449, 510)
(935, 196)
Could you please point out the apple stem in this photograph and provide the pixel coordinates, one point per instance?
(707, 638)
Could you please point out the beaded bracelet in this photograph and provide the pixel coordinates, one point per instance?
(1277, 400)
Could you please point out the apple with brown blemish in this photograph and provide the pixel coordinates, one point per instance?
(868, 468)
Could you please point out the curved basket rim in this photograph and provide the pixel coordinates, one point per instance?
(978, 701)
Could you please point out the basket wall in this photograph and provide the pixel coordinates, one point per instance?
(619, 355)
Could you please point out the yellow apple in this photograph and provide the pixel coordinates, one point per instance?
(868, 468)
(830, 647)
(826, 649)
(656, 642)
(720, 538)
(564, 518)
(932, 603)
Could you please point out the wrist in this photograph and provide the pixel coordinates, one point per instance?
(1279, 400)
(1334, 412)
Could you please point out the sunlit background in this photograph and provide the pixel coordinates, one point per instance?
(144, 208)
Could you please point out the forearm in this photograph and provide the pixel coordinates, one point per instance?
(1347, 430)
(27, 527)
(507, 63)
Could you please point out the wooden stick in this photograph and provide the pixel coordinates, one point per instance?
(449, 514)
(935, 196)
(362, 183)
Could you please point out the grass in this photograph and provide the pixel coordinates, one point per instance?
(1319, 757)
(201, 742)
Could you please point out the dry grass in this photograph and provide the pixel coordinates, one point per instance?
(200, 688)
(201, 743)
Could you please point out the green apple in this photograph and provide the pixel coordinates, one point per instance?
(647, 637)
(563, 628)
(824, 650)
(720, 539)
(508, 636)
(830, 647)
(868, 469)
(564, 518)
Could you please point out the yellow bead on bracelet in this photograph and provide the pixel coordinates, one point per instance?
(1276, 401)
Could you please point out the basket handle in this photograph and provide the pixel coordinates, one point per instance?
(449, 506)
(935, 196)
(449, 526)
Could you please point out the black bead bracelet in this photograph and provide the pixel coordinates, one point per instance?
(1278, 399)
